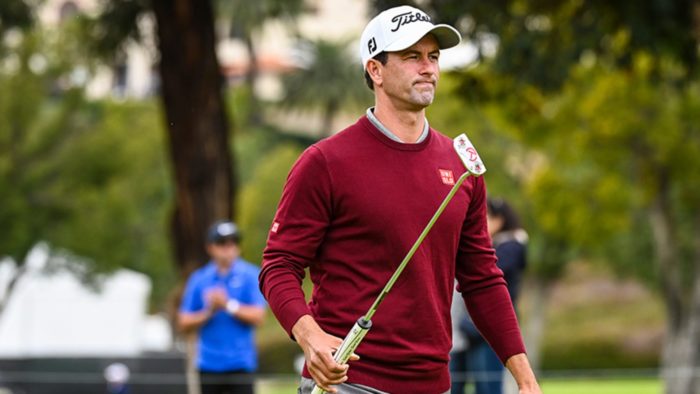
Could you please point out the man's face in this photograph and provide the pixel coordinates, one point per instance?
(410, 76)
(494, 223)
(223, 252)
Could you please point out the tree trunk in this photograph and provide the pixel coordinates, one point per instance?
(534, 328)
(694, 314)
(191, 90)
(329, 112)
(695, 15)
(254, 115)
(191, 370)
(533, 332)
(680, 346)
(9, 290)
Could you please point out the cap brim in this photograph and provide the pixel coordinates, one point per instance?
(446, 36)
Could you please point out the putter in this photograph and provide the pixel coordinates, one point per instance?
(475, 166)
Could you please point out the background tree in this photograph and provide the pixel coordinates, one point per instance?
(195, 115)
(70, 173)
(14, 14)
(637, 66)
(330, 80)
(31, 132)
(642, 154)
(247, 18)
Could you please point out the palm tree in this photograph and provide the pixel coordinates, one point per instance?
(330, 78)
(246, 18)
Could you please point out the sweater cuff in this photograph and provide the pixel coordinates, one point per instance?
(493, 314)
(290, 314)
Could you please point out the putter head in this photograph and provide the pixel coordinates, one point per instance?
(469, 155)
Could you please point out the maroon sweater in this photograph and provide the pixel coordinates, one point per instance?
(352, 207)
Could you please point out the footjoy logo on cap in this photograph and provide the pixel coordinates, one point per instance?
(372, 45)
(408, 17)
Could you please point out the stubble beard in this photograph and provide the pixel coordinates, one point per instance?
(422, 98)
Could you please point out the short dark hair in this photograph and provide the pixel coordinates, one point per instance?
(382, 57)
(498, 207)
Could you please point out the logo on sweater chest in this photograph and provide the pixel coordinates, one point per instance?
(447, 176)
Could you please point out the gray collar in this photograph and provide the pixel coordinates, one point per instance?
(388, 133)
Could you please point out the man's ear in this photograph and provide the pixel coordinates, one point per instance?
(374, 69)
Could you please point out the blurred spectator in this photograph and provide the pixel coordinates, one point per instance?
(223, 304)
(472, 359)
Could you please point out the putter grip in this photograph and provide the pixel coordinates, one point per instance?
(350, 343)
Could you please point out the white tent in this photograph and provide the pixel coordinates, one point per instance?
(52, 313)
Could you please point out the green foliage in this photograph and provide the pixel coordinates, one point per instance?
(119, 192)
(14, 14)
(489, 133)
(72, 172)
(603, 353)
(248, 16)
(264, 157)
(259, 198)
(115, 25)
(330, 81)
(34, 134)
(538, 41)
(618, 139)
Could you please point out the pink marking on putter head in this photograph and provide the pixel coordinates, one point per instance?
(470, 157)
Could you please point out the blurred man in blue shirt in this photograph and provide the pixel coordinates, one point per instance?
(223, 303)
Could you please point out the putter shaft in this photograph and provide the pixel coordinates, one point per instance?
(359, 330)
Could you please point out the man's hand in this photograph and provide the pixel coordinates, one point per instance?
(519, 367)
(318, 350)
(216, 298)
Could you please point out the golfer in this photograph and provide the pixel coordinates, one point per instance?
(355, 203)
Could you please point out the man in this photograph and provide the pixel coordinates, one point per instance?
(352, 207)
(223, 303)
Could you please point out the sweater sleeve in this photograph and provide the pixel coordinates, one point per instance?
(298, 228)
(481, 281)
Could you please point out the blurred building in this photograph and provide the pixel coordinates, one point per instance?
(131, 75)
(276, 42)
(59, 332)
(53, 312)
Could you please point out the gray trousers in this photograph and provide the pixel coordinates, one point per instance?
(307, 385)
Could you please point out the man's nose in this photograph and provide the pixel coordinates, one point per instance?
(428, 65)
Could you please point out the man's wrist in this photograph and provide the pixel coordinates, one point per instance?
(521, 370)
(304, 327)
(207, 313)
(233, 306)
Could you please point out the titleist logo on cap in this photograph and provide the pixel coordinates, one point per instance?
(386, 32)
(408, 17)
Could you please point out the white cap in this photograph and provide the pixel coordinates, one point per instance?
(400, 27)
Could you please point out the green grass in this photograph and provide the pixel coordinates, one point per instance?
(552, 386)
(635, 386)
